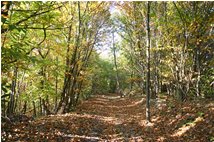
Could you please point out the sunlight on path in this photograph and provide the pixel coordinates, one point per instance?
(111, 118)
(110, 97)
(185, 128)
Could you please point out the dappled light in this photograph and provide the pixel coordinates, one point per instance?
(107, 71)
(110, 123)
(185, 127)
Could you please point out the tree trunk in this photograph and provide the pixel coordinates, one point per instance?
(45, 108)
(11, 104)
(40, 106)
(115, 64)
(156, 63)
(67, 75)
(3, 100)
(148, 66)
(47, 102)
(24, 107)
(69, 81)
(131, 83)
(197, 70)
(55, 104)
(34, 109)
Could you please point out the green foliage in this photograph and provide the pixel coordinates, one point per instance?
(200, 114)
(207, 83)
(49, 42)
(104, 76)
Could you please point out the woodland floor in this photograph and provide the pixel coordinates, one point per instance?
(111, 118)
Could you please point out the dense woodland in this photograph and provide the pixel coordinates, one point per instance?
(160, 59)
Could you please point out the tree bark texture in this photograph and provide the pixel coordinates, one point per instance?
(148, 65)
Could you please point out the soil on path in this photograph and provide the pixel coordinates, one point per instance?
(111, 118)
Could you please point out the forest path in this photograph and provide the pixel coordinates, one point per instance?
(111, 118)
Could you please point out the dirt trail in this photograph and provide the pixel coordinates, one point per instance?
(111, 118)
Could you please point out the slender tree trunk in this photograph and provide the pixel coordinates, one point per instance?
(43, 75)
(156, 63)
(45, 107)
(197, 70)
(131, 83)
(20, 105)
(72, 88)
(44, 110)
(40, 106)
(4, 106)
(56, 86)
(55, 104)
(19, 91)
(67, 77)
(70, 81)
(183, 74)
(24, 107)
(148, 66)
(196, 64)
(115, 64)
(11, 104)
(78, 93)
(17, 96)
(16, 103)
(47, 102)
(34, 109)
(181, 71)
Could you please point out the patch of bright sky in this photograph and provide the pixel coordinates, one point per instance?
(105, 50)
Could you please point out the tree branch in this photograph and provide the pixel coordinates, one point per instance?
(36, 14)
